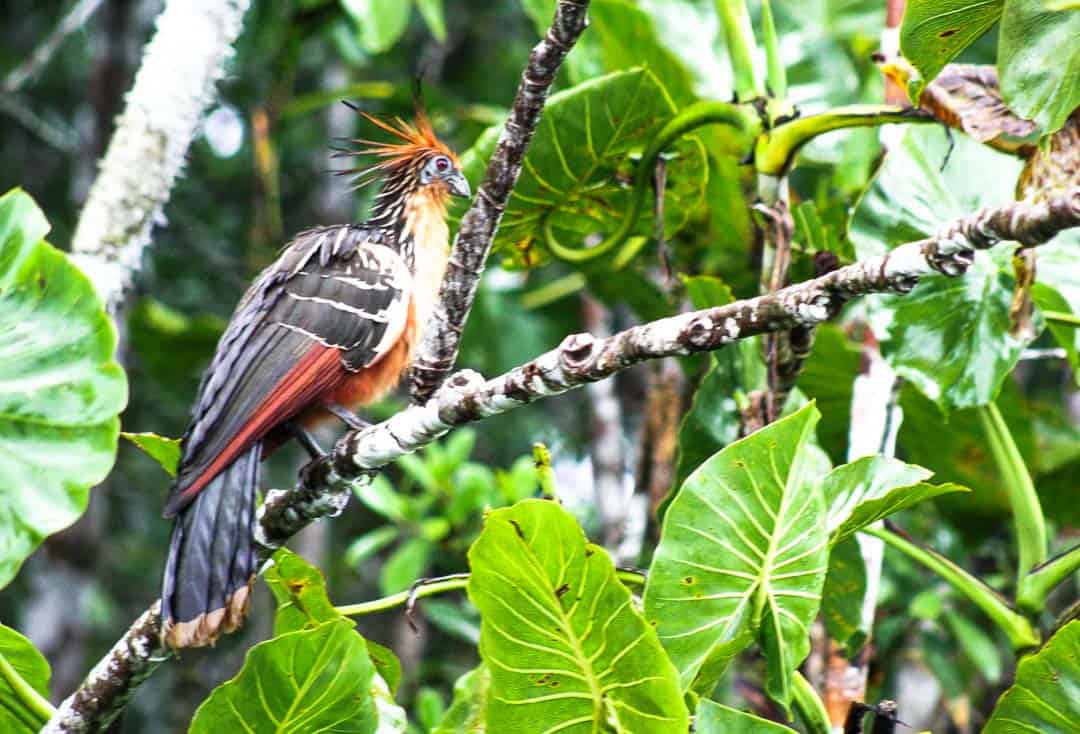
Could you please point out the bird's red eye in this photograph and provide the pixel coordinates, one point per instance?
(442, 164)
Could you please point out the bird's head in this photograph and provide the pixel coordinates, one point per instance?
(415, 162)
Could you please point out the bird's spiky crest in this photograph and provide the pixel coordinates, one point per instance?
(416, 141)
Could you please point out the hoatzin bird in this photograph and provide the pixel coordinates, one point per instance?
(329, 327)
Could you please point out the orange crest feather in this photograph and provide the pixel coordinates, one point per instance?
(417, 140)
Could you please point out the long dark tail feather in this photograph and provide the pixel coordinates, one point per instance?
(212, 561)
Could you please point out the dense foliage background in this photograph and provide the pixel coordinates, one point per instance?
(260, 171)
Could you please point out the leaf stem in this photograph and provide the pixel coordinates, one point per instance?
(1027, 512)
(33, 700)
(1016, 626)
(739, 36)
(1041, 580)
(697, 115)
(810, 706)
(1062, 317)
(456, 582)
(430, 588)
(776, 148)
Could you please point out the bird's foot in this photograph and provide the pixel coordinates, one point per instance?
(305, 439)
(346, 416)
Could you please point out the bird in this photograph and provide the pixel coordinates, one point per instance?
(328, 328)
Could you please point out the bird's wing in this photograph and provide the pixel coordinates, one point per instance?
(334, 302)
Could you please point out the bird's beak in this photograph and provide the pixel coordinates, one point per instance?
(458, 184)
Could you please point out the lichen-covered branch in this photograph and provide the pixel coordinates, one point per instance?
(110, 684)
(173, 87)
(325, 483)
(439, 350)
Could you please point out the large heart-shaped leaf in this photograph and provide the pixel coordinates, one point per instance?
(566, 649)
(934, 32)
(579, 158)
(1039, 62)
(714, 718)
(309, 680)
(873, 487)
(1046, 695)
(950, 336)
(743, 554)
(60, 388)
(21, 665)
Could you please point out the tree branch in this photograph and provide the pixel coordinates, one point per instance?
(173, 87)
(325, 484)
(438, 352)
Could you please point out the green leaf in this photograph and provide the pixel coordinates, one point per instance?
(827, 378)
(60, 388)
(466, 714)
(380, 22)
(743, 555)
(714, 718)
(934, 32)
(1044, 697)
(949, 336)
(430, 707)
(380, 497)
(433, 14)
(566, 649)
(386, 664)
(844, 594)
(912, 195)
(163, 450)
(1039, 62)
(976, 644)
(308, 680)
(300, 592)
(24, 684)
(575, 165)
(405, 565)
(873, 487)
(370, 543)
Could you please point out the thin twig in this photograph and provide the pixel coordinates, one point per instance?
(438, 353)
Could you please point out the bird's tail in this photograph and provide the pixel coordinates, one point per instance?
(212, 561)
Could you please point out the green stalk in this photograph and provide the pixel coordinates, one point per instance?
(448, 583)
(435, 586)
(776, 74)
(696, 115)
(1016, 626)
(1061, 317)
(810, 706)
(26, 694)
(1027, 512)
(1041, 580)
(739, 36)
(776, 149)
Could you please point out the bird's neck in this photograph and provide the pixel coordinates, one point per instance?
(425, 242)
